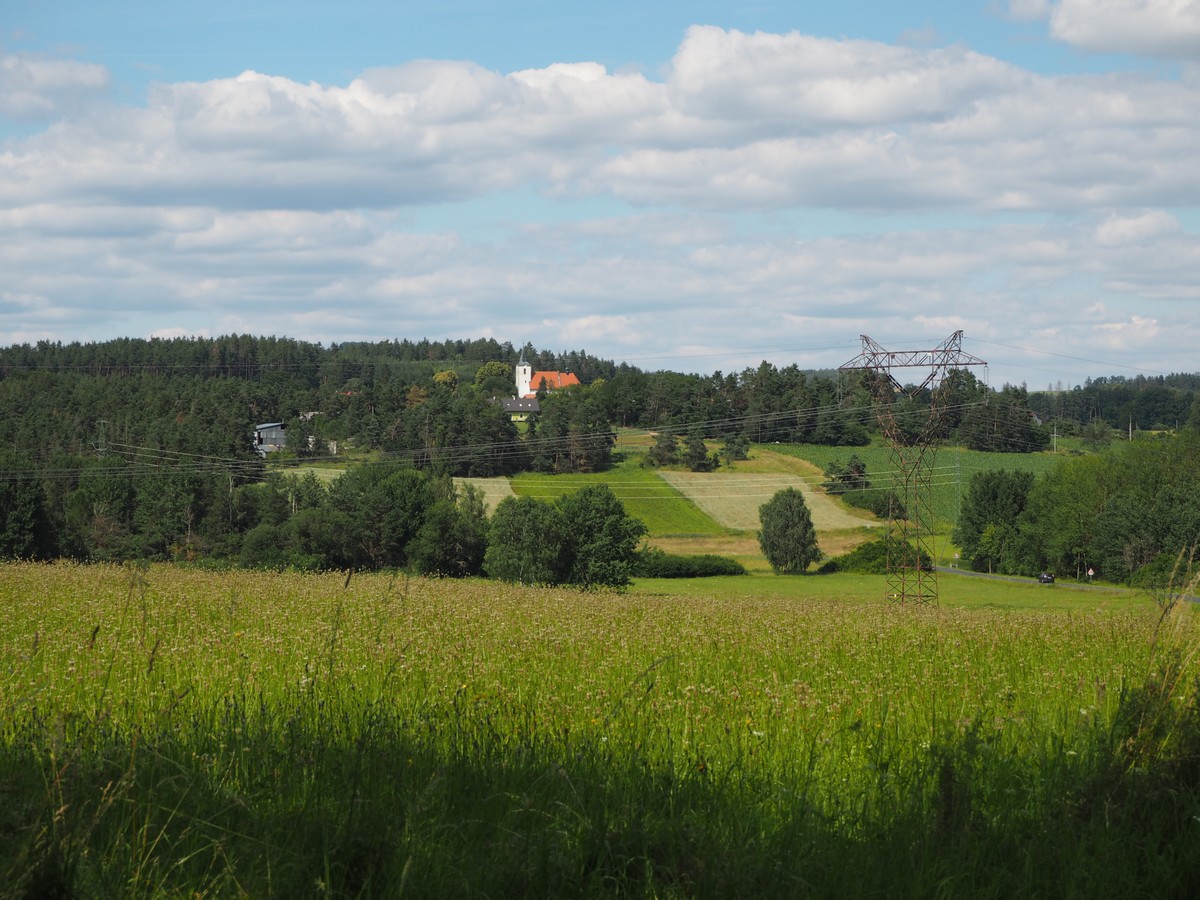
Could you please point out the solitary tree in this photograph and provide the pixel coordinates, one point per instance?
(665, 451)
(696, 453)
(787, 538)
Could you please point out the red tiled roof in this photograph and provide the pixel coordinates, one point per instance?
(553, 380)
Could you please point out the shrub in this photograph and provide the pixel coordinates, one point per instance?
(653, 563)
(868, 559)
(850, 477)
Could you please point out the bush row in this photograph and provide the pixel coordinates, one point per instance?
(654, 563)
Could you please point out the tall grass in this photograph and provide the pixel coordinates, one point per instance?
(168, 732)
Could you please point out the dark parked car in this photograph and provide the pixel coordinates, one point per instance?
(1045, 578)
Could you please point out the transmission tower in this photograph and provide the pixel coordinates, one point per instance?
(912, 445)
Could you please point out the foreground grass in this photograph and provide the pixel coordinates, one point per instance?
(168, 732)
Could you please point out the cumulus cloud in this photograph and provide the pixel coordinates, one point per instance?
(742, 121)
(265, 204)
(1164, 28)
(35, 88)
(801, 83)
(1132, 333)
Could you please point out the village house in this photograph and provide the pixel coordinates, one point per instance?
(269, 437)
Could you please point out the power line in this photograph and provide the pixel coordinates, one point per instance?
(141, 460)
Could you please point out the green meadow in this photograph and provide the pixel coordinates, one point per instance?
(664, 509)
(173, 732)
(951, 469)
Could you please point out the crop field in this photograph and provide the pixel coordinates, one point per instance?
(696, 505)
(662, 507)
(952, 469)
(733, 498)
(170, 732)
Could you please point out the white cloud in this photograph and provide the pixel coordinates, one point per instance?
(1133, 333)
(579, 332)
(1166, 28)
(802, 83)
(35, 88)
(1117, 230)
(261, 204)
(743, 121)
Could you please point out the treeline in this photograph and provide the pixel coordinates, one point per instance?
(379, 515)
(1126, 514)
(248, 356)
(205, 396)
(1144, 403)
(433, 402)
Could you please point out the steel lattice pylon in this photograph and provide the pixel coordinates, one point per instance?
(913, 449)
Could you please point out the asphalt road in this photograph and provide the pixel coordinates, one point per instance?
(1074, 585)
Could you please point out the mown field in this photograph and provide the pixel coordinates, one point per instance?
(170, 732)
(711, 512)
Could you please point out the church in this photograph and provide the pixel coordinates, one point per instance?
(529, 381)
(525, 402)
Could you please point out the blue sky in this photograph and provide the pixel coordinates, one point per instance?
(694, 186)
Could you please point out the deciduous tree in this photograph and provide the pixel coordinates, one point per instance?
(603, 537)
(787, 538)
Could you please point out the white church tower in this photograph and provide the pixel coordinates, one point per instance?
(524, 376)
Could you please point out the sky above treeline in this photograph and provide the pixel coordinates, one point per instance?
(694, 186)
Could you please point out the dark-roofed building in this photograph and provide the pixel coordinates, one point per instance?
(269, 437)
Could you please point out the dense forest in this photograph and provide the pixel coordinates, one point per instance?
(432, 401)
(143, 448)
(1143, 403)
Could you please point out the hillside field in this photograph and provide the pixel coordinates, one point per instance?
(951, 467)
(717, 512)
(169, 732)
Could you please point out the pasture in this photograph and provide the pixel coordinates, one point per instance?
(169, 732)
